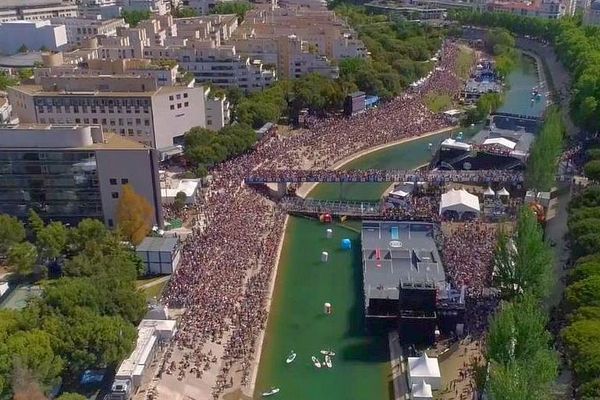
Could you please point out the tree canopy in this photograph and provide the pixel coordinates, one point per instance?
(134, 215)
(84, 319)
(134, 17)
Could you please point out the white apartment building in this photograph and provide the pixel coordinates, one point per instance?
(160, 7)
(221, 66)
(35, 10)
(164, 74)
(218, 112)
(34, 35)
(133, 107)
(80, 29)
(103, 9)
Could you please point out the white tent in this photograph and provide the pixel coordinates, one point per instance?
(501, 141)
(503, 192)
(489, 192)
(424, 369)
(421, 391)
(459, 201)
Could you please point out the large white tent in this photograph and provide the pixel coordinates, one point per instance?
(424, 369)
(459, 201)
(421, 391)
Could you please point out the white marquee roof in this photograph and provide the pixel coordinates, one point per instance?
(422, 390)
(459, 201)
(501, 141)
(489, 192)
(423, 367)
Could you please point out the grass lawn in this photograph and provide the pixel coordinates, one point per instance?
(155, 290)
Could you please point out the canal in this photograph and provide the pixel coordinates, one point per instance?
(361, 368)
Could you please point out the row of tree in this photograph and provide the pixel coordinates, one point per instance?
(206, 148)
(85, 318)
(575, 45)
(582, 296)
(522, 363)
(501, 44)
(544, 154)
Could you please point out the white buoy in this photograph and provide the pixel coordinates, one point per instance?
(324, 256)
(327, 308)
(329, 233)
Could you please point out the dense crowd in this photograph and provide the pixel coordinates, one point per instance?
(223, 280)
(439, 177)
(468, 251)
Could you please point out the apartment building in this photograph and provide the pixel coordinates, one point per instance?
(81, 29)
(160, 7)
(297, 41)
(549, 9)
(34, 35)
(133, 107)
(72, 172)
(164, 74)
(36, 10)
(104, 9)
(218, 112)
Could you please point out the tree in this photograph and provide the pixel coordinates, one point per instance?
(232, 7)
(6, 81)
(585, 292)
(581, 339)
(34, 222)
(134, 17)
(180, 199)
(134, 215)
(22, 258)
(524, 263)
(32, 350)
(71, 396)
(183, 12)
(12, 232)
(592, 170)
(51, 241)
(23, 49)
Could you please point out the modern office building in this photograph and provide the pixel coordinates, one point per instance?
(80, 29)
(33, 35)
(132, 106)
(71, 172)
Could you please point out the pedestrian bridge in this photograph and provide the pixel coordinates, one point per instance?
(373, 176)
(298, 205)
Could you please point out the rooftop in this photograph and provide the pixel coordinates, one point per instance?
(395, 252)
(164, 244)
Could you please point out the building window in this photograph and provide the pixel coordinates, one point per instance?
(115, 195)
(185, 95)
(171, 98)
(172, 107)
(186, 104)
(113, 181)
(124, 181)
(178, 105)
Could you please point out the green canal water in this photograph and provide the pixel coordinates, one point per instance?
(361, 368)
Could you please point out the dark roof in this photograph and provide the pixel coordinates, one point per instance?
(407, 254)
(163, 244)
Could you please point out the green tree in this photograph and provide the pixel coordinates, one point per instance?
(183, 12)
(581, 339)
(71, 396)
(524, 263)
(232, 7)
(180, 200)
(12, 232)
(34, 222)
(134, 17)
(22, 258)
(134, 215)
(592, 170)
(51, 241)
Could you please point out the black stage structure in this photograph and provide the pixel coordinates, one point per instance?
(404, 280)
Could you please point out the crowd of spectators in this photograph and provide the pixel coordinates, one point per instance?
(223, 282)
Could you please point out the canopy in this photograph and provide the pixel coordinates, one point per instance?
(424, 369)
(503, 192)
(501, 141)
(421, 390)
(454, 144)
(460, 201)
(489, 192)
